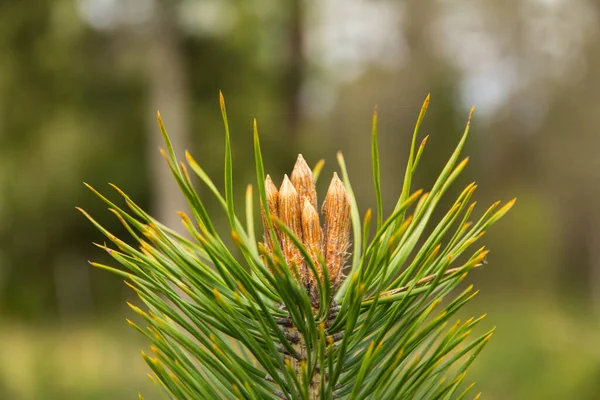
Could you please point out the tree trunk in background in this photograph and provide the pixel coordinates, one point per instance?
(593, 62)
(416, 30)
(294, 73)
(169, 93)
(572, 163)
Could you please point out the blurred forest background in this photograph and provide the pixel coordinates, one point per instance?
(80, 83)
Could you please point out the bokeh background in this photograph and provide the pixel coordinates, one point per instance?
(80, 83)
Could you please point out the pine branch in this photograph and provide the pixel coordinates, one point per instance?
(303, 315)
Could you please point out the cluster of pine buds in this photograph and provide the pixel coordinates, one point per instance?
(295, 204)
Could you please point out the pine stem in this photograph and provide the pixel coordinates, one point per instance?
(300, 347)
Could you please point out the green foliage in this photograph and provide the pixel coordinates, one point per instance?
(223, 326)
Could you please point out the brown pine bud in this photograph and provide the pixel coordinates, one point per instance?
(272, 204)
(289, 213)
(336, 212)
(313, 241)
(302, 179)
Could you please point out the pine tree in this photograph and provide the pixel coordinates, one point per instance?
(329, 305)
